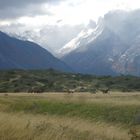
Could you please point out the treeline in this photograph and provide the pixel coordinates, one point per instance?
(55, 81)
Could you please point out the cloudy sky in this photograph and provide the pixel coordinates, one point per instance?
(34, 15)
(40, 12)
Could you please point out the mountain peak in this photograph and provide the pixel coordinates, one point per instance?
(111, 48)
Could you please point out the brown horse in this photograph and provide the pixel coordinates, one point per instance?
(105, 91)
(71, 91)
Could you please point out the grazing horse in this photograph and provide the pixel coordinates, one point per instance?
(105, 91)
(71, 91)
(38, 91)
(32, 90)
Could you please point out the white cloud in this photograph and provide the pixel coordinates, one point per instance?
(35, 15)
(68, 11)
(81, 11)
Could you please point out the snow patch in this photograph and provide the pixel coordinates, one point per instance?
(84, 37)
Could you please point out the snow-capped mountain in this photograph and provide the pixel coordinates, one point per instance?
(44, 36)
(82, 39)
(113, 47)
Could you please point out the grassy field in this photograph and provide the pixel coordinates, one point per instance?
(78, 116)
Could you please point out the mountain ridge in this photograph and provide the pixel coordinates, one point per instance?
(19, 54)
(115, 50)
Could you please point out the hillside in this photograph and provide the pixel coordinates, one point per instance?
(50, 80)
(18, 54)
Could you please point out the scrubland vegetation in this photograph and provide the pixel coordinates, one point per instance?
(63, 116)
(54, 81)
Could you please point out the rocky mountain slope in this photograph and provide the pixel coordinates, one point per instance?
(113, 47)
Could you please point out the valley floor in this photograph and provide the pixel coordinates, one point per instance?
(63, 116)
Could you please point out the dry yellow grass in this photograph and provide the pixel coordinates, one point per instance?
(116, 98)
(21, 126)
(30, 127)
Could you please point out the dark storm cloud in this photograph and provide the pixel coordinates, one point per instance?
(21, 3)
(11, 13)
(10, 9)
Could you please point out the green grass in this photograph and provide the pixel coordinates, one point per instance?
(56, 116)
(99, 111)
